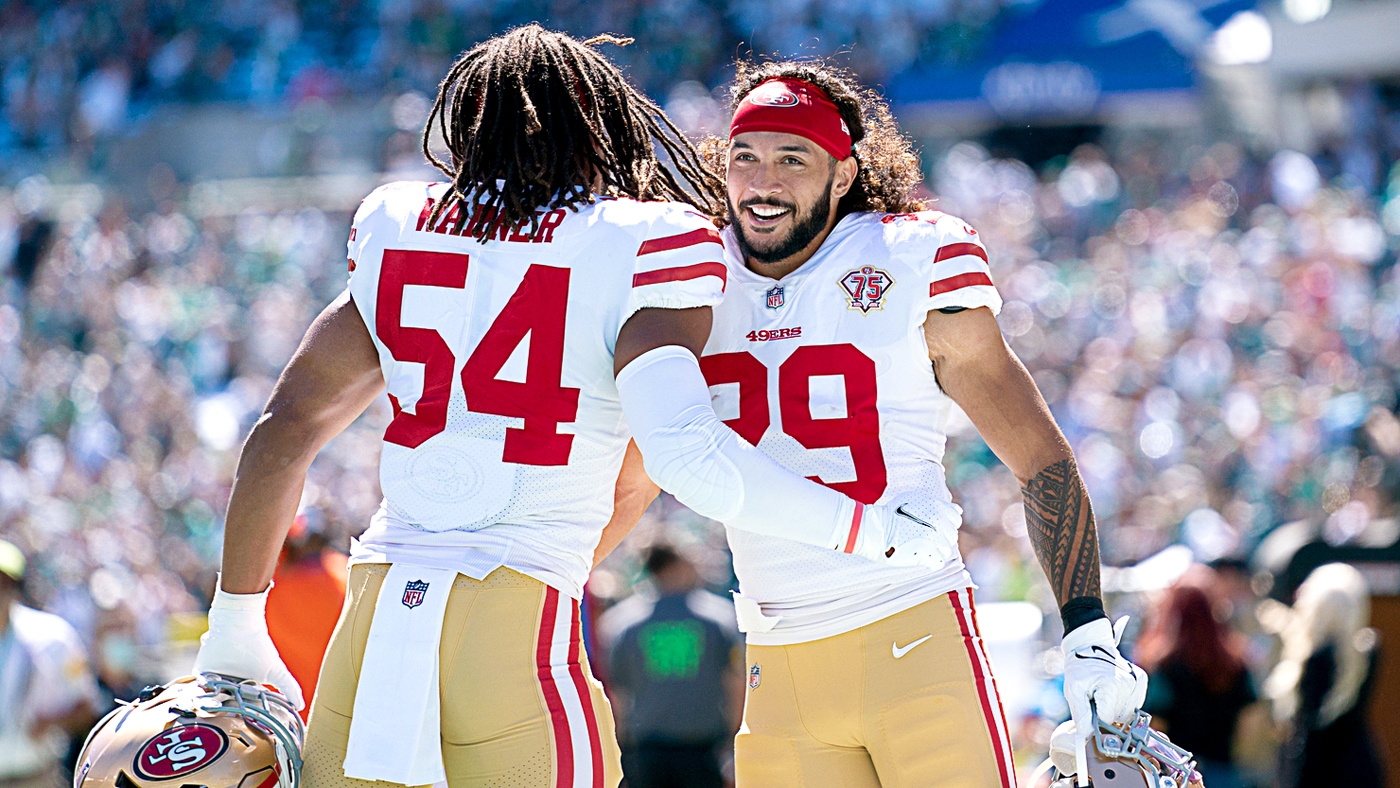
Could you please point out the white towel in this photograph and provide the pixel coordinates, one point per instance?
(750, 616)
(396, 730)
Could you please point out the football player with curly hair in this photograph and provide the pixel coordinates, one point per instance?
(855, 320)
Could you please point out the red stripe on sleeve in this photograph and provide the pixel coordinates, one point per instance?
(704, 235)
(959, 282)
(682, 273)
(958, 250)
(855, 527)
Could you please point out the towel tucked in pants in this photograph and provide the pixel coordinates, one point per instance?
(520, 707)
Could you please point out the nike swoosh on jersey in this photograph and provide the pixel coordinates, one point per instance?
(899, 652)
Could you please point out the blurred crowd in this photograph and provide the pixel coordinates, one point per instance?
(76, 71)
(135, 352)
(1217, 334)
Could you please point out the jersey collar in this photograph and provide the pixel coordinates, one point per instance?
(741, 272)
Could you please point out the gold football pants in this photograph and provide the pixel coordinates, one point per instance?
(906, 702)
(520, 708)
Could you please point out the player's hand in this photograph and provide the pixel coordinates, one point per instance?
(1064, 743)
(1095, 671)
(911, 531)
(238, 646)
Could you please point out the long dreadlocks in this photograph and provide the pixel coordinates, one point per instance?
(535, 119)
(889, 166)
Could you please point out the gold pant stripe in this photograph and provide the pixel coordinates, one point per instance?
(505, 639)
(904, 702)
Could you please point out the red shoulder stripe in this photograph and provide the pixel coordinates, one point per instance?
(703, 235)
(958, 250)
(959, 282)
(682, 273)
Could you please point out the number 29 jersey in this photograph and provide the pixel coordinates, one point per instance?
(827, 372)
(497, 354)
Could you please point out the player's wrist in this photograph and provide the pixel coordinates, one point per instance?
(1098, 632)
(852, 527)
(1081, 611)
(239, 603)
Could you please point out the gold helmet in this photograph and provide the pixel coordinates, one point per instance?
(202, 731)
(1121, 755)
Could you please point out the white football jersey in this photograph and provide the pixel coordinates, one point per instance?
(507, 434)
(827, 372)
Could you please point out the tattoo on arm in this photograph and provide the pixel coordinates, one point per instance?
(1060, 522)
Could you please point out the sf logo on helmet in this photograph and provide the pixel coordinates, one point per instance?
(180, 750)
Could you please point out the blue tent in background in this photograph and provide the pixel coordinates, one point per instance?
(1061, 58)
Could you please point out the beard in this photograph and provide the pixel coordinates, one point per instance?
(804, 230)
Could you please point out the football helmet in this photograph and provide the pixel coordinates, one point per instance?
(1128, 755)
(204, 731)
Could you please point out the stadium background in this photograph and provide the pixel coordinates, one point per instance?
(1192, 211)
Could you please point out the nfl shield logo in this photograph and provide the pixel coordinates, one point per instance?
(413, 593)
(865, 288)
(755, 675)
(775, 297)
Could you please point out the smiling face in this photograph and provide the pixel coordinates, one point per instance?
(783, 191)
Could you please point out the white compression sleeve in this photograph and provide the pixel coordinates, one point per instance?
(691, 454)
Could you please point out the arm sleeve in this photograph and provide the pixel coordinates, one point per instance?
(959, 276)
(709, 468)
(679, 264)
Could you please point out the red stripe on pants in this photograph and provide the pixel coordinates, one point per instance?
(1008, 779)
(996, 693)
(595, 744)
(558, 718)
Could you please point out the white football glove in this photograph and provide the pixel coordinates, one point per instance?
(238, 646)
(1094, 670)
(1063, 743)
(910, 531)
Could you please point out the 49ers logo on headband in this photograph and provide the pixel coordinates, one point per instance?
(179, 751)
(793, 106)
(773, 94)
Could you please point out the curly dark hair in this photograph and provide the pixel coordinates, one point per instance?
(533, 118)
(889, 166)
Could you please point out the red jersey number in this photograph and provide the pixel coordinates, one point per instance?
(537, 309)
(858, 430)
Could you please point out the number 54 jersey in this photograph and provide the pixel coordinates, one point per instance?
(497, 354)
(827, 372)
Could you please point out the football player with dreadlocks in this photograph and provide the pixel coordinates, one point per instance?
(558, 281)
(842, 290)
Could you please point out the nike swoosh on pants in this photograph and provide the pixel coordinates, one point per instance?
(898, 652)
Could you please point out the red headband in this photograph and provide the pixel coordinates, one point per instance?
(792, 106)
